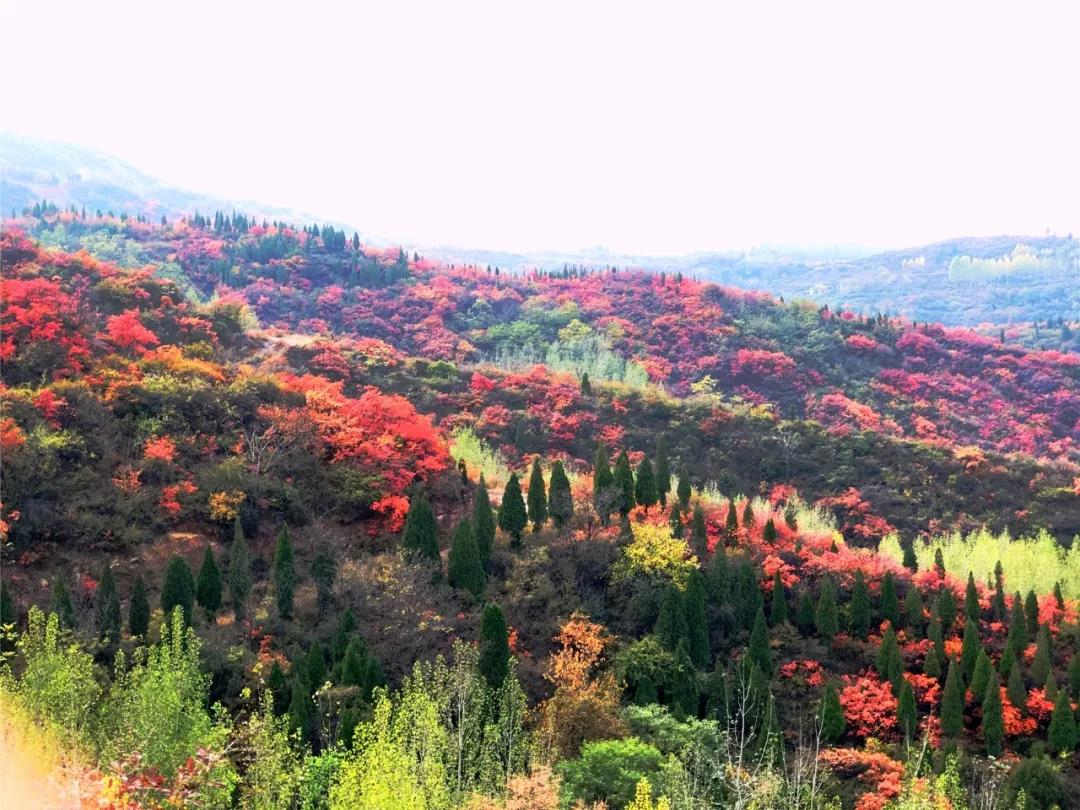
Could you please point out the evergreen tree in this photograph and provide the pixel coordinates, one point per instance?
(603, 484)
(663, 470)
(758, 650)
(888, 661)
(483, 520)
(1031, 614)
(913, 611)
(939, 562)
(946, 608)
(890, 606)
(831, 716)
(586, 385)
(623, 482)
(1018, 637)
(997, 602)
(910, 561)
(683, 490)
(859, 609)
(315, 665)
(354, 664)
(179, 588)
(825, 614)
(537, 497)
(1050, 691)
(697, 635)
(804, 612)
(731, 522)
(560, 500)
(933, 632)
(971, 600)
(138, 609)
(969, 652)
(494, 647)
(62, 605)
(465, 569)
(420, 536)
(1041, 663)
(512, 518)
(748, 515)
(993, 722)
(208, 585)
(107, 608)
(239, 572)
(906, 713)
(7, 605)
(645, 492)
(768, 534)
(778, 609)
(301, 713)
(1062, 734)
(324, 572)
(1074, 676)
(676, 526)
(284, 574)
(671, 626)
(716, 703)
(280, 689)
(983, 673)
(1014, 687)
(952, 703)
(699, 535)
(932, 664)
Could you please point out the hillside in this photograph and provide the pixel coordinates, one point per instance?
(767, 537)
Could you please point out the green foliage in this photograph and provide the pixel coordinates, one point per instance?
(1074, 676)
(604, 499)
(971, 600)
(778, 608)
(538, 513)
(465, 569)
(62, 605)
(697, 629)
(907, 713)
(1043, 660)
(645, 492)
(654, 552)
(274, 773)
(623, 483)
(560, 500)
(671, 625)
(831, 715)
(993, 724)
(663, 469)
(284, 574)
(301, 710)
(107, 607)
(239, 577)
(889, 606)
(952, 703)
(859, 609)
(932, 664)
(208, 585)
(699, 535)
(1038, 782)
(683, 490)
(982, 674)
(609, 771)
(324, 573)
(888, 661)
(178, 589)
(138, 609)
(913, 612)
(758, 650)
(494, 646)
(825, 614)
(969, 652)
(1014, 686)
(512, 510)
(483, 520)
(1062, 734)
(420, 536)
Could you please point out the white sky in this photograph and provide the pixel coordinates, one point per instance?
(660, 127)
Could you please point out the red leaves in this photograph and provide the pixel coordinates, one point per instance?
(869, 706)
(161, 448)
(127, 332)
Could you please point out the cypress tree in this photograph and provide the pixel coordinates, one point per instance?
(1018, 636)
(512, 518)
(913, 611)
(969, 652)
(758, 650)
(663, 470)
(645, 486)
(179, 588)
(138, 609)
(208, 586)
(731, 521)
(494, 647)
(1062, 734)
(1014, 687)
(993, 722)
(683, 490)
(483, 520)
(933, 632)
(537, 497)
(1050, 691)
(62, 605)
(239, 572)
(932, 664)
(716, 703)
(623, 482)
(107, 608)
(301, 716)
(279, 687)
(910, 561)
(671, 626)
(464, 568)
(603, 483)
(890, 606)
(778, 612)
(939, 562)
(831, 715)
(324, 572)
(284, 574)
(586, 385)
(825, 614)
(717, 581)
(906, 712)
(1031, 614)
(420, 536)
(316, 666)
(804, 612)
(971, 600)
(860, 606)
(560, 500)
(1059, 598)
(683, 689)
(952, 703)
(1074, 676)
(1041, 663)
(983, 673)
(699, 535)
(353, 665)
(768, 534)
(697, 628)
(676, 526)
(997, 602)
(888, 662)
(748, 515)
(946, 608)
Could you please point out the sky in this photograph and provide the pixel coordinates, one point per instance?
(652, 128)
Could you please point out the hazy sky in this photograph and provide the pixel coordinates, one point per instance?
(658, 127)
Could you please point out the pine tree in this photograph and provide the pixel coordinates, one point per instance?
(906, 713)
(971, 600)
(324, 573)
(993, 722)
(697, 628)
(1041, 663)
(1074, 676)
(208, 585)
(512, 518)
(284, 574)
(537, 497)
(984, 671)
(888, 661)
(179, 588)
(464, 568)
(731, 522)
(239, 572)
(315, 665)
(910, 561)
(483, 520)
(683, 688)
(301, 714)
(420, 536)
(932, 664)
(560, 500)
(603, 484)
(716, 703)
(623, 482)
(1031, 614)
(758, 650)
(1018, 637)
(804, 612)
(748, 515)
(354, 664)
(1062, 734)
(768, 534)
(699, 535)
(645, 492)
(663, 470)
(997, 602)
(890, 607)
(859, 609)
(831, 715)
(933, 632)
(138, 609)
(952, 703)
(62, 605)
(1014, 687)
(671, 626)
(107, 608)
(946, 608)
(1050, 691)
(683, 490)
(494, 647)
(913, 611)
(778, 612)
(969, 652)
(279, 688)
(939, 562)
(825, 614)
(676, 525)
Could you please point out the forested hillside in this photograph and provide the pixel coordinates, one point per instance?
(293, 521)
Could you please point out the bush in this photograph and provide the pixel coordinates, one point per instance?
(609, 771)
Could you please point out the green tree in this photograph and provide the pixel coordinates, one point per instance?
(946, 607)
(697, 636)
(62, 605)
(683, 490)
(1062, 734)
(301, 709)
(913, 611)
(284, 574)
(778, 610)
(758, 650)
(483, 520)
(1031, 614)
(494, 646)
(671, 624)
(1041, 663)
(645, 487)
(420, 535)
(831, 715)
(107, 608)
(1014, 686)
(731, 522)
(910, 561)
(586, 386)
(1074, 676)
(208, 585)
(748, 515)
(623, 482)
(609, 771)
(932, 664)
(993, 723)
(465, 569)
(971, 600)
(768, 534)
(663, 470)
(888, 661)
(239, 572)
(675, 523)
(7, 605)
(890, 606)
(699, 534)
(178, 589)
(906, 713)
(860, 606)
(969, 651)
(324, 573)
(560, 499)
(315, 666)
(825, 615)
(983, 673)
(512, 518)
(804, 612)
(138, 609)
(537, 497)
(603, 484)
(952, 703)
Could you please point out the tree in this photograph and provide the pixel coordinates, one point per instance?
(983, 673)
(611, 771)
(778, 610)
(971, 600)
(758, 650)
(420, 535)
(888, 661)
(993, 722)
(890, 606)
(603, 484)
(537, 497)
(675, 523)
(699, 534)
(825, 614)
(952, 703)
(623, 482)
(62, 605)
(138, 609)
(324, 572)
(208, 585)
(831, 715)
(512, 518)
(906, 713)
(483, 520)
(913, 611)
(645, 491)
(301, 710)
(560, 499)
(768, 534)
(1041, 663)
(731, 522)
(997, 602)
(1074, 676)
(1031, 614)
(239, 572)
(107, 608)
(1014, 686)
(315, 666)
(932, 664)
(697, 635)
(946, 607)
(1062, 734)
(683, 490)
(663, 470)
(179, 588)
(494, 646)
(7, 605)
(910, 561)
(1018, 637)
(671, 624)
(748, 515)
(284, 574)
(804, 612)
(860, 606)
(969, 651)
(465, 570)
(586, 386)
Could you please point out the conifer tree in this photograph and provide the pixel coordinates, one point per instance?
(353, 665)
(645, 492)
(946, 608)
(758, 650)
(464, 568)
(971, 600)
(716, 703)
(178, 589)
(910, 561)
(939, 562)
(969, 652)
(483, 520)
(323, 572)
(1041, 663)
(1031, 614)
(932, 664)
(683, 689)
(420, 536)
(208, 585)
(952, 703)
(603, 483)
(683, 490)
(831, 715)
(494, 647)
(804, 612)
(933, 632)
(1050, 691)
(906, 713)
(676, 525)
(982, 674)
(860, 606)
(537, 497)
(239, 572)
(663, 470)
(623, 482)
(825, 614)
(778, 612)
(748, 515)
(284, 574)
(768, 534)
(315, 664)
(913, 611)
(890, 606)
(301, 713)
(62, 605)
(1018, 637)
(7, 605)
(697, 628)
(993, 722)
(107, 608)
(731, 523)
(699, 535)
(671, 626)
(560, 500)
(138, 609)
(512, 518)
(888, 662)
(997, 602)
(1062, 734)
(1074, 676)
(1014, 686)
